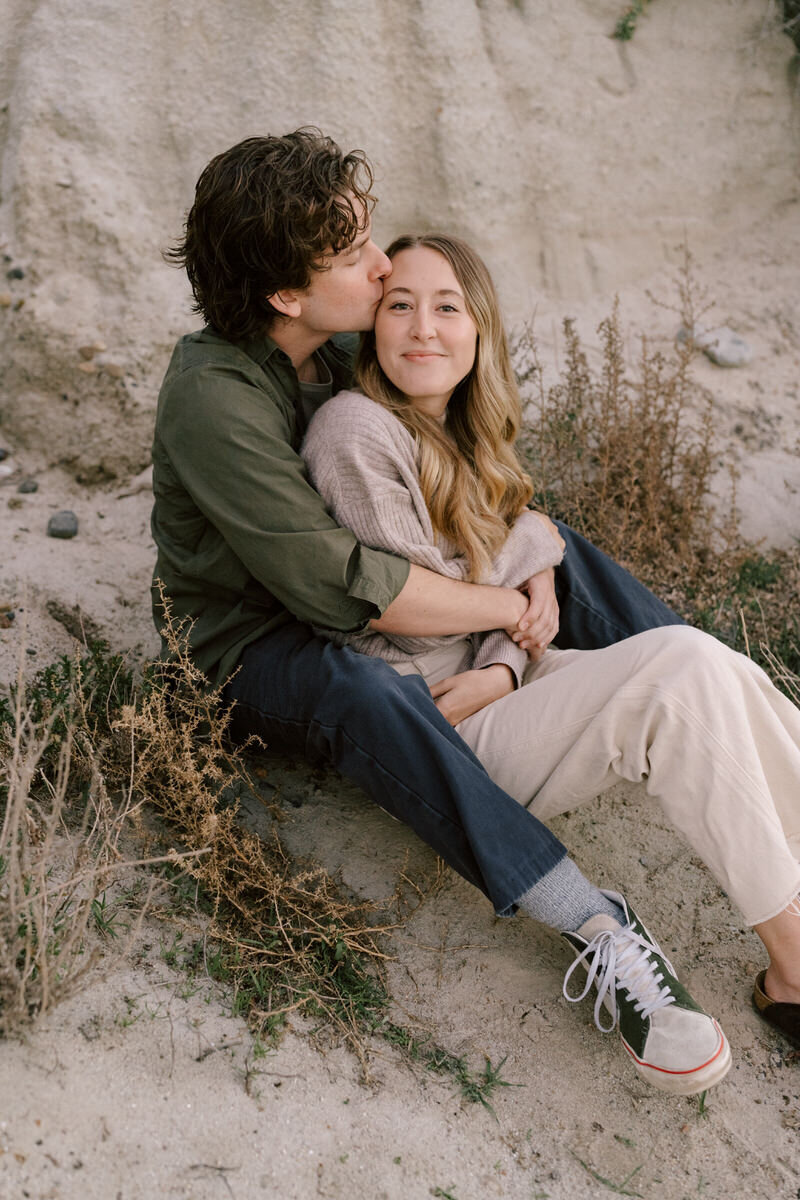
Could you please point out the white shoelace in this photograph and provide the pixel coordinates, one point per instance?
(621, 959)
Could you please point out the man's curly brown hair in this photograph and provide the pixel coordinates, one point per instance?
(266, 214)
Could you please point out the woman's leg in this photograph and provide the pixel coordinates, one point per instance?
(781, 936)
(702, 726)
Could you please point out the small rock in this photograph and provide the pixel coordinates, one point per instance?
(88, 368)
(114, 370)
(7, 468)
(27, 486)
(721, 345)
(3, 453)
(31, 652)
(62, 524)
(6, 299)
(15, 273)
(92, 348)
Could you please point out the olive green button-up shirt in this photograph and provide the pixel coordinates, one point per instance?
(243, 539)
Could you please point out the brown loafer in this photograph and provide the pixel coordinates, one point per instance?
(783, 1017)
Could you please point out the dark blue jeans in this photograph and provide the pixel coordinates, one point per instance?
(383, 731)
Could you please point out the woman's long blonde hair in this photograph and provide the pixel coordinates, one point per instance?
(470, 475)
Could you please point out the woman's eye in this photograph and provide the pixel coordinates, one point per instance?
(448, 308)
(398, 306)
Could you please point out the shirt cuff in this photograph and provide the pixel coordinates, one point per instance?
(377, 579)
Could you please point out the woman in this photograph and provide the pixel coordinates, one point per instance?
(420, 460)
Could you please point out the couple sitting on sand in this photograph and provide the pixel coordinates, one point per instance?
(346, 527)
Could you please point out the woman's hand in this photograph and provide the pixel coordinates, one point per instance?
(459, 696)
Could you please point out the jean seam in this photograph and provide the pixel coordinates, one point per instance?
(599, 615)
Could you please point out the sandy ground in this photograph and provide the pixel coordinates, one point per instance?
(143, 1085)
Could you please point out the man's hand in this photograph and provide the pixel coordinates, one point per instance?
(539, 624)
(459, 696)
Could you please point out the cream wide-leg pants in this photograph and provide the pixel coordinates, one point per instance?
(702, 726)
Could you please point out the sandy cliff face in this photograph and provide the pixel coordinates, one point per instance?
(575, 162)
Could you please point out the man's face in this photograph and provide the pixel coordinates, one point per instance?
(343, 298)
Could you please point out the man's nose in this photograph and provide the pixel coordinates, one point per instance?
(382, 265)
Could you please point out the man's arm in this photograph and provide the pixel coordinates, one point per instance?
(429, 605)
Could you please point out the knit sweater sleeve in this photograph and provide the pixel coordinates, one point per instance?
(528, 549)
(362, 461)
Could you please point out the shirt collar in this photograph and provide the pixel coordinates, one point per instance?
(262, 348)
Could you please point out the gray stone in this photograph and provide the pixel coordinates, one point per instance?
(28, 485)
(3, 453)
(15, 273)
(62, 524)
(721, 345)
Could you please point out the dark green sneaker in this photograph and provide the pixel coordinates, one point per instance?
(674, 1044)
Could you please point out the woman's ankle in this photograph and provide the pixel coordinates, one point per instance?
(782, 987)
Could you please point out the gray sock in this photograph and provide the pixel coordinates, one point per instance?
(565, 899)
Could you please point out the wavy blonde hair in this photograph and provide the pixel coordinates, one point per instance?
(471, 478)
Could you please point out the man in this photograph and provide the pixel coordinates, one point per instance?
(279, 254)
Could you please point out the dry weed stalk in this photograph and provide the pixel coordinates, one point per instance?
(622, 457)
(786, 678)
(291, 935)
(54, 862)
(63, 841)
(87, 760)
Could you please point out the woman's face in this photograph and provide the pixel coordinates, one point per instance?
(424, 336)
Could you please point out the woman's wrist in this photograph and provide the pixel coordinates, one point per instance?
(504, 680)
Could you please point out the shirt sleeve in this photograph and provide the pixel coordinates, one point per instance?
(230, 446)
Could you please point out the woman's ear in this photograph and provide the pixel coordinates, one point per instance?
(287, 303)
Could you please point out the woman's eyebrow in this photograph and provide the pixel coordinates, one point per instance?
(438, 292)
